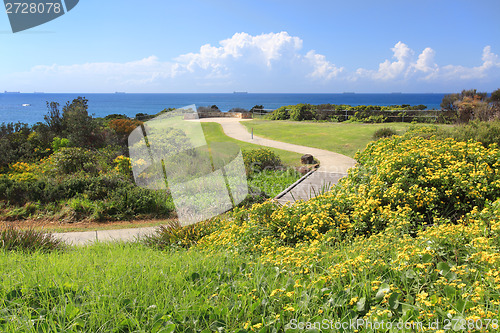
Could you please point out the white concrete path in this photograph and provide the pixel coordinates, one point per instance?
(329, 161)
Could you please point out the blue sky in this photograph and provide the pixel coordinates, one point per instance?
(258, 46)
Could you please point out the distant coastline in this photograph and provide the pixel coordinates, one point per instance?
(103, 104)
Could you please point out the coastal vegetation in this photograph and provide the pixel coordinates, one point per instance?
(460, 107)
(410, 238)
(74, 167)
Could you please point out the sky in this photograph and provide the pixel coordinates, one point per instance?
(259, 46)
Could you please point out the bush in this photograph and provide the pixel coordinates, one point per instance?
(30, 240)
(486, 132)
(414, 181)
(173, 234)
(72, 160)
(257, 160)
(383, 133)
(279, 114)
(301, 112)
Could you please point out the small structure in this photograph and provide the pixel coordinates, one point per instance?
(216, 113)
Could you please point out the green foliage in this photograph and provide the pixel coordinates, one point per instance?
(257, 160)
(273, 182)
(98, 198)
(80, 128)
(173, 234)
(495, 96)
(448, 102)
(257, 108)
(279, 114)
(485, 132)
(72, 160)
(28, 240)
(14, 144)
(358, 113)
(54, 119)
(301, 112)
(58, 143)
(384, 132)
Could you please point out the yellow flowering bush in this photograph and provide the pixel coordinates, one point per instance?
(423, 181)
(123, 165)
(411, 234)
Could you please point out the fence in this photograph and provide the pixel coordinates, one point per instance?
(383, 115)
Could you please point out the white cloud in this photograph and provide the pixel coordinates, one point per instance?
(407, 68)
(323, 69)
(259, 63)
(491, 64)
(425, 62)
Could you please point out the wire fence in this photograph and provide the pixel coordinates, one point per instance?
(374, 115)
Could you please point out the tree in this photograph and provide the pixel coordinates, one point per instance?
(448, 102)
(123, 128)
(468, 105)
(495, 96)
(53, 119)
(258, 108)
(81, 129)
(474, 94)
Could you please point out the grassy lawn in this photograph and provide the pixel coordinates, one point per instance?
(341, 138)
(130, 288)
(214, 133)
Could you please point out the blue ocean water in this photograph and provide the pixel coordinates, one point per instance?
(100, 105)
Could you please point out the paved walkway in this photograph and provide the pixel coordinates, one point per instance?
(329, 161)
(83, 237)
(333, 166)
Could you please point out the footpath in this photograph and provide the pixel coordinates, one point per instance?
(333, 166)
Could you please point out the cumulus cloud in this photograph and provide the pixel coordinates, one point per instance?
(405, 66)
(261, 62)
(491, 64)
(323, 69)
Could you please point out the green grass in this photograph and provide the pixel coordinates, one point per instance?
(341, 138)
(274, 182)
(130, 288)
(214, 133)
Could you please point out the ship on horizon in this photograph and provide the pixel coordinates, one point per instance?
(240, 92)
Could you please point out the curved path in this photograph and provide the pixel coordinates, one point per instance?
(333, 166)
(329, 161)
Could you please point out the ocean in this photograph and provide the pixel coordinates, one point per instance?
(101, 105)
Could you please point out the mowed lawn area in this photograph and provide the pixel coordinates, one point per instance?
(214, 133)
(341, 138)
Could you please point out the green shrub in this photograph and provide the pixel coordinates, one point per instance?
(486, 132)
(173, 234)
(58, 143)
(384, 132)
(29, 240)
(257, 160)
(279, 114)
(301, 112)
(72, 160)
